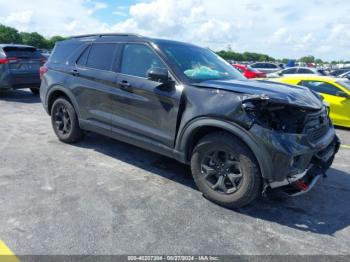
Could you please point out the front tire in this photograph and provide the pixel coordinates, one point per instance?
(225, 170)
(65, 121)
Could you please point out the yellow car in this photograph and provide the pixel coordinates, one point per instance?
(336, 92)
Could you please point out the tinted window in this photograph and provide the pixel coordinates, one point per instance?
(258, 65)
(138, 59)
(22, 52)
(101, 56)
(272, 66)
(320, 87)
(289, 71)
(305, 71)
(83, 57)
(63, 51)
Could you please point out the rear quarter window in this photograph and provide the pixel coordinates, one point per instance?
(63, 51)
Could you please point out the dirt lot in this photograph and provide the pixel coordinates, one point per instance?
(105, 197)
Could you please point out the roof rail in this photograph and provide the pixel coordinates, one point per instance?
(107, 34)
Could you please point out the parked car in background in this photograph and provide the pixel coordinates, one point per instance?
(19, 67)
(240, 137)
(296, 71)
(335, 91)
(345, 75)
(339, 71)
(265, 67)
(46, 53)
(249, 72)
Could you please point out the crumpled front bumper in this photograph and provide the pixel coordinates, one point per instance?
(302, 183)
(288, 155)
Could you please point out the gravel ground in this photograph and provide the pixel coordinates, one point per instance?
(102, 196)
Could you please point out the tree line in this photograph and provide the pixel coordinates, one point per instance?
(248, 56)
(11, 35)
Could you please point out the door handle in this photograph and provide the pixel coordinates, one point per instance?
(75, 72)
(125, 85)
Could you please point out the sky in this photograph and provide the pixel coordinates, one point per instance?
(279, 28)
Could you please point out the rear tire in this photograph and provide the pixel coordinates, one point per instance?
(35, 91)
(225, 170)
(65, 121)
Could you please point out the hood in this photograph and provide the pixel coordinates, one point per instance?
(278, 92)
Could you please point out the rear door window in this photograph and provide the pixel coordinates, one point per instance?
(320, 87)
(84, 56)
(101, 56)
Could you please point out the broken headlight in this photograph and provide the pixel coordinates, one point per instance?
(276, 116)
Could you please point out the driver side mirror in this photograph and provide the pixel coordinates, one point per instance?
(342, 94)
(157, 74)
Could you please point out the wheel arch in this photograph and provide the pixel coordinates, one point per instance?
(198, 128)
(59, 91)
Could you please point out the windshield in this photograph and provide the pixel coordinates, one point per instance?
(199, 64)
(344, 83)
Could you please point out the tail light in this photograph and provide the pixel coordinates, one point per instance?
(42, 71)
(8, 60)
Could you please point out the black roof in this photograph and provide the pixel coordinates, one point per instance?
(121, 37)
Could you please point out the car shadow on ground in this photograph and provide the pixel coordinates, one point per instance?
(324, 210)
(19, 96)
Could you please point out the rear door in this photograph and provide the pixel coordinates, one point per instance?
(92, 81)
(141, 106)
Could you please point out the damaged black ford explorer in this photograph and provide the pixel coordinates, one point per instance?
(241, 138)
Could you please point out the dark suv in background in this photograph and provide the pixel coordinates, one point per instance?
(241, 138)
(19, 67)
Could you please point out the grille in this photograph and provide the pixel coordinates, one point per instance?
(317, 125)
(318, 133)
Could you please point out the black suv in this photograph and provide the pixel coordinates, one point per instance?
(241, 138)
(19, 67)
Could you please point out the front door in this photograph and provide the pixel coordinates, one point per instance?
(142, 107)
